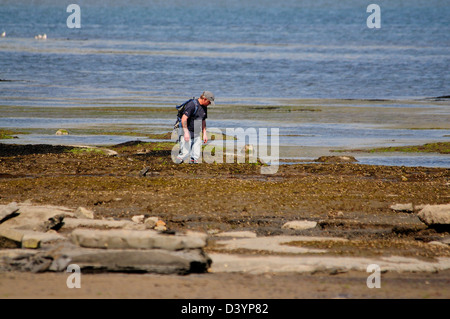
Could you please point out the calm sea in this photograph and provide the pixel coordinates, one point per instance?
(236, 48)
(158, 52)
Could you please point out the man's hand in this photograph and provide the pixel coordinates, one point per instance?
(205, 138)
(187, 136)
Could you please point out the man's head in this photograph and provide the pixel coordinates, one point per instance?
(207, 98)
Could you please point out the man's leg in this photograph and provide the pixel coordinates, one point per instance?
(196, 150)
(184, 148)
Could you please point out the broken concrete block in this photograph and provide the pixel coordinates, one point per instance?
(433, 215)
(35, 240)
(134, 239)
(28, 238)
(30, 242)
(37, 218)
(11, 234)
(72, 223)
(110, 260)
(9, 211)
(153, 261)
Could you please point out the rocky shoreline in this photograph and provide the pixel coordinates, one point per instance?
(338, 217)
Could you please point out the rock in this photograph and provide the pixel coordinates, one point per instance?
(253, 264)
(150, 222)
(29, 238)
(9, 211)
(160, 226)
(11, 234)
(62, 132)
(299, 225)
(37, 218)
(433, 215)
(134, 239)
(338, 214)
(139, 219)
(35, 240)
(407, 208)
(143, 172)
(54, 222)
(82, 212)
(336, 159)
(152, 261)
(100, 260)
(72, 223)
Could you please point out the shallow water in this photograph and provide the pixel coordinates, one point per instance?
(318, 138)
(137, 53)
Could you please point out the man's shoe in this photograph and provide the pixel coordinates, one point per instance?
(178, 160)
(193, 161)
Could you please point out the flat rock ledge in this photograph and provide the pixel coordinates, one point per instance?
(136, 239)
(50, 238)
(437, 216)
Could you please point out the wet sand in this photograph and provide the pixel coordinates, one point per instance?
(226, 286)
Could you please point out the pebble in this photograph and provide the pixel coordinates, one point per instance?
(150, 222)
(139, 219)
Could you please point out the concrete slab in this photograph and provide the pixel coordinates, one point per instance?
(274, 244)
(310, 264)
(33, 217)
(135, 239)
(72, 223)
